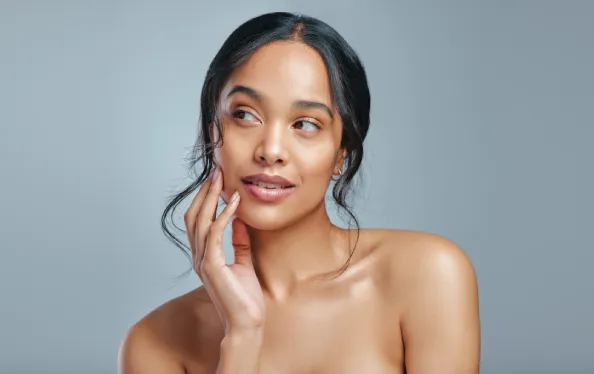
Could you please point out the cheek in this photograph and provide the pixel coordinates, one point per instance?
(317, 166)
(230, 158)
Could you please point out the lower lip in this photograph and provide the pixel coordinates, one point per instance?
(271, 195)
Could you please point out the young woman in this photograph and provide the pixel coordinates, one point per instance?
(284, 113)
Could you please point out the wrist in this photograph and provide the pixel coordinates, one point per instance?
(235, 337)
(240, 352)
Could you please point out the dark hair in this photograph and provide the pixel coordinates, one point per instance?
(348, 83)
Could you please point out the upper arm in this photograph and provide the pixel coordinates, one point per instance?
(441, 324)
(142, 353)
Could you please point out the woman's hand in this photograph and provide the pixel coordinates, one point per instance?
(234, 289)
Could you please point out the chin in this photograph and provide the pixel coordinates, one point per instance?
(267, 218)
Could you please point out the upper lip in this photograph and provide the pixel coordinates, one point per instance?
(269, 179)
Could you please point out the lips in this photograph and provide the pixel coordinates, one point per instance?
(268, 181)
(268, 188)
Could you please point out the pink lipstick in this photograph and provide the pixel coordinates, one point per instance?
(268, 188)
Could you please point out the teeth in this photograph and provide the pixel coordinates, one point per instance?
(266, 185)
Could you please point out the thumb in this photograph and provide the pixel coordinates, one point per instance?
(241, 243)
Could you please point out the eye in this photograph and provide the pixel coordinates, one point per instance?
(306, 126)
(244, 115)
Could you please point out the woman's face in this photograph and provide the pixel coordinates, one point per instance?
(279, 121)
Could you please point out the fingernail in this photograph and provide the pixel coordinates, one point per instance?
(235, 196)
(215, 174)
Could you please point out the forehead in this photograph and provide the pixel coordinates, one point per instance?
(285, 70)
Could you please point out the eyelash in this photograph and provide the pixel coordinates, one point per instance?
(316, 126)
(235, 115)
(235, 112)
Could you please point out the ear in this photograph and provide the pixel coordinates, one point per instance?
(340, 157)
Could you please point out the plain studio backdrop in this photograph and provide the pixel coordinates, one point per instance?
(482, 131)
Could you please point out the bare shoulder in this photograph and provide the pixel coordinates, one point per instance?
(175, 337)
(435, 284)
(414, 257)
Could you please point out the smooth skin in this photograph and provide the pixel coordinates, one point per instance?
(407, 303)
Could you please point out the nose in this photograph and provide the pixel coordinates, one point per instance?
(271, 147)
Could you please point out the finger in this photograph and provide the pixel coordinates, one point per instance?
(241, 243)
(218, 276)
(207, 213)
(192, 212)
(214, 254)
(209, 205)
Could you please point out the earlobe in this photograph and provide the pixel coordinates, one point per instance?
(340, 162)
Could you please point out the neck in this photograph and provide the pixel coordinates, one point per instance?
(301, 252)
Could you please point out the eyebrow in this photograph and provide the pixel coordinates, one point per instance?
(302, 104)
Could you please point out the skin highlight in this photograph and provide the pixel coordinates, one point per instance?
(408, 302)
(299, 142)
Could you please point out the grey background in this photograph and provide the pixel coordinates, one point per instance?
(482, 125)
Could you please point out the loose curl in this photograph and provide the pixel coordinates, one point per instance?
(350, 93)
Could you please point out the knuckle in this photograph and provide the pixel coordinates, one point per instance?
(201, 219)
(215, 240)
(206, 268)
(214, 230)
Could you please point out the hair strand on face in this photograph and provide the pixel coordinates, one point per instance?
(350, 93)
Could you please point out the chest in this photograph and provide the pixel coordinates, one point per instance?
(343, 337)
(346, 330)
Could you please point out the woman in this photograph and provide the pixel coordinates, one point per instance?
(284, 112)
